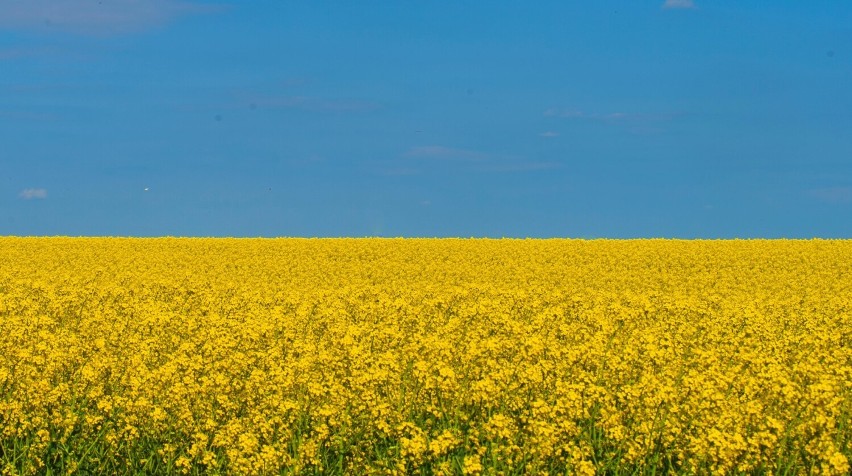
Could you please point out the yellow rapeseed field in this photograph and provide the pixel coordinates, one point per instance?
(421, 356)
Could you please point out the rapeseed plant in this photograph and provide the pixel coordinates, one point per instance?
(418, 356)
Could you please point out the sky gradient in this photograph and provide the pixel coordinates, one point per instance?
(673, 118)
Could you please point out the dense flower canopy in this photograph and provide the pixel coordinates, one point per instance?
(395, 356)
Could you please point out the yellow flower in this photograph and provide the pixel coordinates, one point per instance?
(383, 356)
(472, 465)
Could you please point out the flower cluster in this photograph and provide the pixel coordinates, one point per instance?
(425, 356)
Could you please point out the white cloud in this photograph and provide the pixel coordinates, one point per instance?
(446, 153)
(673, 4)
(312, 104)
(611, 117)
(14, 53)
(556, 112)
(577, 114)
(94, 17)
(520, 166)
(399, 171)
(466, 160)
(27, 115)
(833, 194)
(33, 194)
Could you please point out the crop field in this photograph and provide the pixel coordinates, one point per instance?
(425, 356)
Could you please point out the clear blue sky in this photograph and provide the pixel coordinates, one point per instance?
(464, 118)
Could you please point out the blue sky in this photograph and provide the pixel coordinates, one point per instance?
(711, 119)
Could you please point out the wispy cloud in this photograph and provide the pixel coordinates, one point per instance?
(556, 112)
(95, 17)
(549, 134)
(520, 166)
(427, 157)
(674, 4)
(15, 53)
(611, 117)
(577, 114)
(33, 194)
(832, 194)
(445, 153)
(315, 104)
(27, 115)
(40, 52)
(399, 171)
